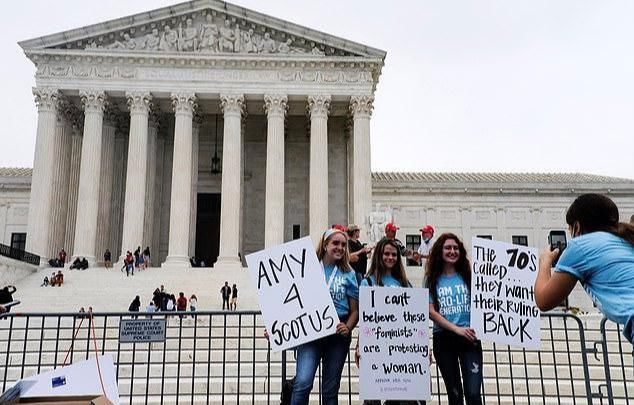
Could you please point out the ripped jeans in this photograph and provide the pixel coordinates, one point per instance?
(454, 353)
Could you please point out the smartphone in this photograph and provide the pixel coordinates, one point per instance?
(557, 240)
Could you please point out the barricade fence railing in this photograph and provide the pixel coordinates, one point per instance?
(19, 254)
(223, 358)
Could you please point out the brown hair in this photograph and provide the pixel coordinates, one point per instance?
(377, 268)
(598, 213)
(435, 265)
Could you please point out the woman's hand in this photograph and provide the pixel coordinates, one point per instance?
(467, 333)
(547, 257)
(266, 334)
(343, 329)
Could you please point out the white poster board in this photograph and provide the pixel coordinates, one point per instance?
(503, 308)
(293, 295)
(394, 343)
(77, 379)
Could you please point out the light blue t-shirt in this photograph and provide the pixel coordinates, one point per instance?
(453, 299)
(604, 264)
(343, 286)
(387, 281)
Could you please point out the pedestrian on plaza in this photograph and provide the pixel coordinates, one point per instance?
(107, 258)
(600, 255)
(156, 298)
(386, 270)
(456, 346)
(225, 293)
(128, 263)
(146, 255)
(332, 350)
(45, 282)
(135, 305)
(137, 253)
(150, 309)
(358, 252)
(62, 256)
(181, 303)
(141, 261)
(234, 297)
(193, 303)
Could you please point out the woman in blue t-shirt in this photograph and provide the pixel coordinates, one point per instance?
(600, 255)
(386, 270)
(332, 252)
(456, 347)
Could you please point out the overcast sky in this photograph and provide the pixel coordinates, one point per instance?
(495, 85)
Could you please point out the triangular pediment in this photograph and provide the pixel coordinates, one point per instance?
(204, 27)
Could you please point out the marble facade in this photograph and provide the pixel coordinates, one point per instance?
(127, 113)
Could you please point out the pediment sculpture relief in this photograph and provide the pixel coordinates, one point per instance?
(210, 34)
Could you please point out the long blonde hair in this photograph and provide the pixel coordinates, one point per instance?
(344, 263)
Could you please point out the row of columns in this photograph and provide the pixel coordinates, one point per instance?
(94, 186)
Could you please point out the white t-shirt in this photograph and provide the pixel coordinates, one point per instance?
(425, 247)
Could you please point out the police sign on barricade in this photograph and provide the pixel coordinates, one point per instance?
(141, 330)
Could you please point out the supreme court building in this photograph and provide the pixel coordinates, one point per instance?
(199, 129)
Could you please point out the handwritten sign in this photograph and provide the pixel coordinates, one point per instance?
(141, 330)
(503, 306)
(293, 295)
(394, 343)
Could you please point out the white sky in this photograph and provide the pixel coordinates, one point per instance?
(496, 85)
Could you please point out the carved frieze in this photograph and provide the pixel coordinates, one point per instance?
(209, 32)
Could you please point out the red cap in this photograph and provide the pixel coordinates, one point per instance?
(427, 228)
(339, 227)
(391, 226)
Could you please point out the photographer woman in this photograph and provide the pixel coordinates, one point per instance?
(332, 350)
(600, 255)
(456, 347)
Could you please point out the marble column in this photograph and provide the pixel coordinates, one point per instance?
(197, 120)
(39, 225)
(150, 188)
(77, 128)
(230, 198)
(161, 167)
(94, 102)
(106, 185)
(318, 107)
(61, 172)
(118, 187)
(275, 107)
(136, 178)
(184, 105)
(361, 109)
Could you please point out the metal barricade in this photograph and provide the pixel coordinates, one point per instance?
(223, 358)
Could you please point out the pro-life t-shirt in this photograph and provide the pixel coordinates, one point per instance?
(343, 285)
(453, 299)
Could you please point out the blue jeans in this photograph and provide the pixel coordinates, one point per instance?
(454, 353)
(332, 351)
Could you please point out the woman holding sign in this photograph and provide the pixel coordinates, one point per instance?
(386, 270)
(600, 255)
(332, 350)
(456, 347)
